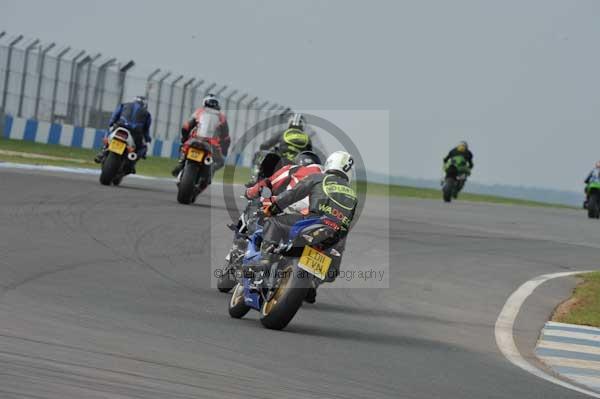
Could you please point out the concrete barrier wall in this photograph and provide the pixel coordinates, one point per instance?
(73, 136)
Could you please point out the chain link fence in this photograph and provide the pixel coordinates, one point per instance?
(56, 84)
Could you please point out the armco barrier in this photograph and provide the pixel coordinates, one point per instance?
(73, 136)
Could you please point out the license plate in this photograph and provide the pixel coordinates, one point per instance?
(195, 155)
(117, 146)
(314, 262)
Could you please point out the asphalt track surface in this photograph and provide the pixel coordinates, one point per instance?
(105, 293)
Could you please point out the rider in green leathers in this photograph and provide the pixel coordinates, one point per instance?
(593, 178)
(462, 158)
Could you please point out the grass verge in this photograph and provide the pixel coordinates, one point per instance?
(584, 305)
(84, 158)
(161, 167)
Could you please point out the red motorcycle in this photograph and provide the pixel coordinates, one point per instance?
(196, 174)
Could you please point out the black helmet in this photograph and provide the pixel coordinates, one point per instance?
(307, 158)
(211, 101)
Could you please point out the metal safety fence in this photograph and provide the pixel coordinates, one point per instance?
(46, 82)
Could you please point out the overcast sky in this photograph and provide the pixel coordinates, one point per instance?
(518, 79)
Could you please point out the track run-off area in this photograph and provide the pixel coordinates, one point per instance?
(105, 292)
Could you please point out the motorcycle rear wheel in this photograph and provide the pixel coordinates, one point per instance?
(448, 189)
(186, 188)
(594, 206)
(277, 312)
(110, 168)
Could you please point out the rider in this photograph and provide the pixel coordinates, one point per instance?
(329, 194)
(135, 117)
(210, 114)
(305, 164)
(462, 149)
(292, 141)
(593, 176)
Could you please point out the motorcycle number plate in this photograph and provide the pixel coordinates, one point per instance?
(117, 146)
(314, 262)
(195, 155)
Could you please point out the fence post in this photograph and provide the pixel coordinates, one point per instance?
(24, 78)
(271, 124)
(56, 79)
(84, 113)
(181, 110)
(170, 110)
(194, 94)
(160, 83)
(149, 82)
(73, 77)
(237, 114)
(7, 70)
(258, 123)
(228, 99)
(247, 120)
(209, 88)
(220, 91)
(40, 77)
(98, 96)
(122, 75)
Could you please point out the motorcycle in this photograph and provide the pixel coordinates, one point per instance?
(249, 221)
(196, 174)
(307, 259)
(265, 164)
(120, 156)
(457, 170)
(593, 200)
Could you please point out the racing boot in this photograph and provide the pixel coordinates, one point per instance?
(179, 167)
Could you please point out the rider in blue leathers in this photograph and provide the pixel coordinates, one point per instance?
(133, 116)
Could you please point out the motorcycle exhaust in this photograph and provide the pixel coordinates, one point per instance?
(132, 156)
(208, 160)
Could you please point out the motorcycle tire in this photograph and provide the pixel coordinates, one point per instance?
(237, 306)
(187, 185)
(110, 168)
(448, 189)
(277, 312)
(226, 281)
(594, 206)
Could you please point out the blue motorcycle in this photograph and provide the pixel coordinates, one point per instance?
(277, 291)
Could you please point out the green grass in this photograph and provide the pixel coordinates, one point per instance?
(436, 194)
(161, 167)
(152, 166)
(584, 305)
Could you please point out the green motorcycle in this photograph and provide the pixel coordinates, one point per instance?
(593, 202)
(457, 170)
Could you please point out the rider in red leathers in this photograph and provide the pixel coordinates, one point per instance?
(305, 164)
(207, 121)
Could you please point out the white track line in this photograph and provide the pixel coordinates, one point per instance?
(504, 330)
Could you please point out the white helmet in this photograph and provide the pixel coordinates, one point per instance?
(211, 101)
(297, 121)
(339, 161)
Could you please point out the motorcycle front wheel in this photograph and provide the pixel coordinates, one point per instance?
(237, 306)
